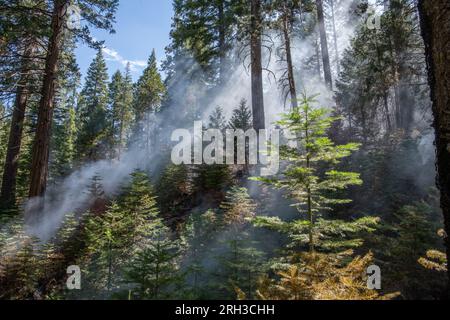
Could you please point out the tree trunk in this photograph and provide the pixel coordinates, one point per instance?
(385, 94)
(41, 146)
(435, 21)
(308, 189)
(404, 104)
(222, 42)
(290, 67)
(324, 44)
(336, 45)
(259, 121)
(9, 182)
(317, 48)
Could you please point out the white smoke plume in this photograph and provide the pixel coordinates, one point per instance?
(72, 195)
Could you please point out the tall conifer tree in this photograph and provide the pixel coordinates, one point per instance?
(92, 111)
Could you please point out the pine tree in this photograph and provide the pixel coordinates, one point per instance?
(241, 119)
(92, 108)
(96, 195)
(138, 201)
(175, 187)
(291, 286)
(64, 153)
(154, 271)
(120, 234)
(20, 262)
(238, 207)
(120, 110)
(64, 126)
(149, 91)
(9, 180)
(23, 26)
(214, 176)
(66, 248)
(24, 167)
(284, 12)
(115, 107)
(107, 237)
(181, 73)
(198, 234)
(411, 234)
(386, 61)
(242, 266)
(322, 277)
(148, 96)
(126, 113)
(97, 14)
(313, 180)
(205, 29)
(217, 120)
(21, 273)
(95, 188)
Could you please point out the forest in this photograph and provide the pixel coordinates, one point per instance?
(94, 207)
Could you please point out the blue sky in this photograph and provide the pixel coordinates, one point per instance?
(141, 25)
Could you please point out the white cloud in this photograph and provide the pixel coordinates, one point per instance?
(113, 55)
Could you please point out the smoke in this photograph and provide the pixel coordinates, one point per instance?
(192, 99)
(72, 194)
(425, 172)
(187, 97)
(426, 147)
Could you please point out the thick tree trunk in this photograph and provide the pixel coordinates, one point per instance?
(259, 121)
(9, 182)
(435, 20)
(41, 146)
(324, 44)
(290, 66)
